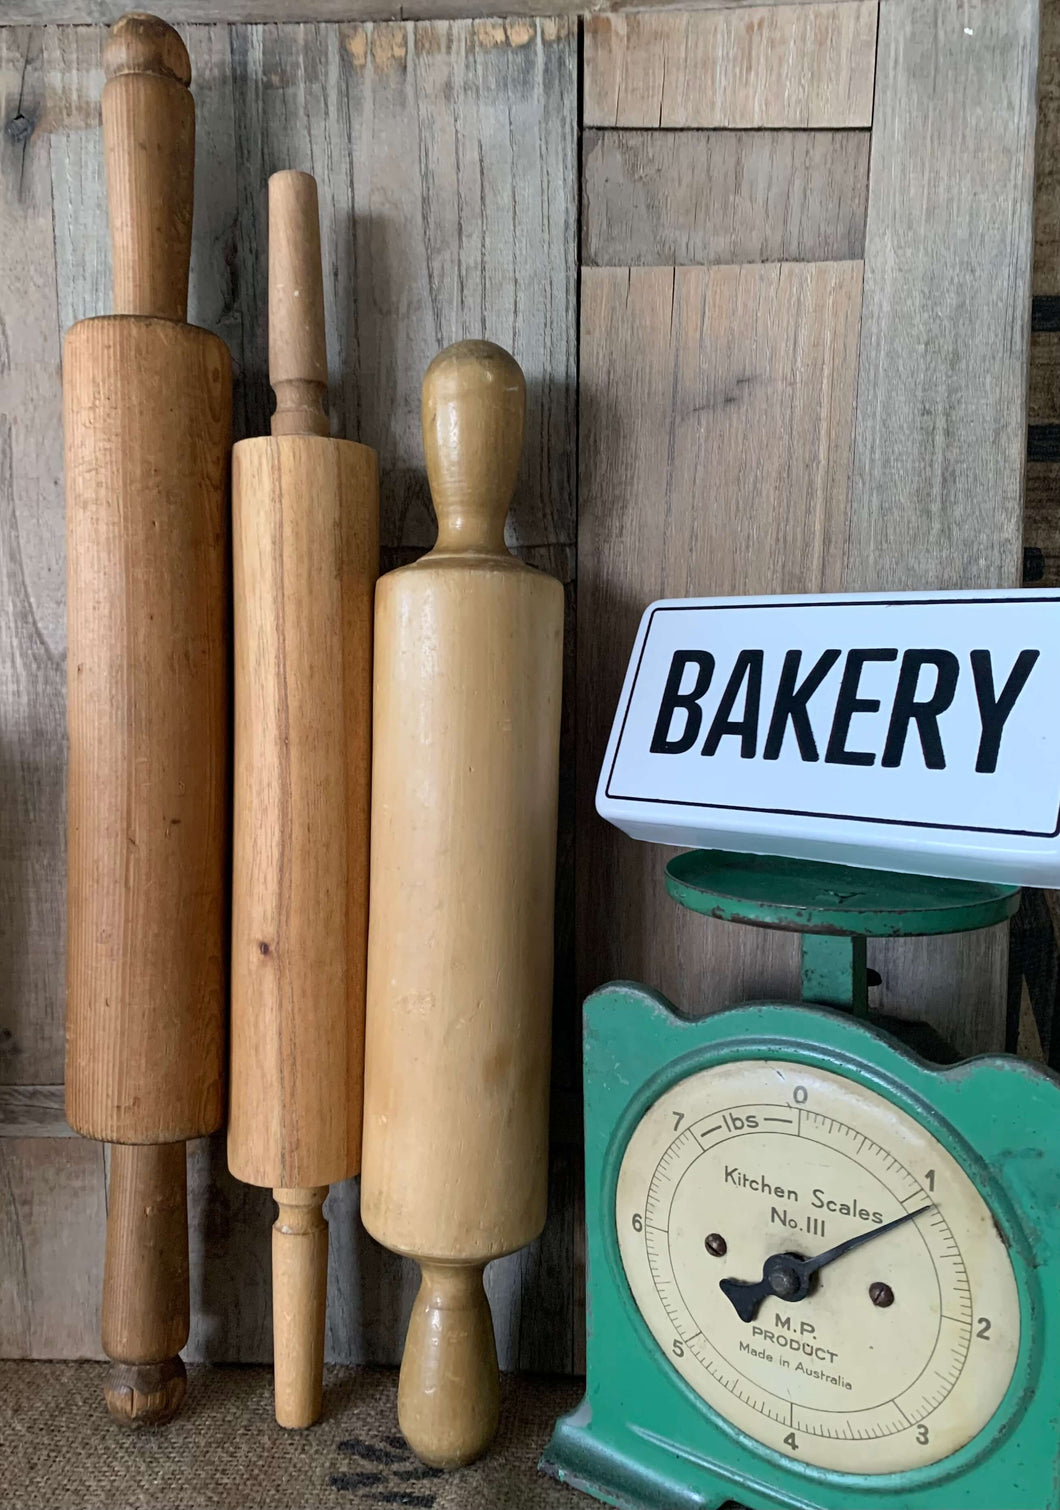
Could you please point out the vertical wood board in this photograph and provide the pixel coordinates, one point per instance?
(786, 66)
(716, 452)
(942, 382)
(32, 586)
(941, 416)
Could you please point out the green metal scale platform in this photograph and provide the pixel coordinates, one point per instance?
(823, 1271)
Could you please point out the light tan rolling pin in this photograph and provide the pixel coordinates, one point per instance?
(468, 657)
(306, 557)
(147, 412)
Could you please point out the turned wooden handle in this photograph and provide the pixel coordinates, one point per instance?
(449, 1389)
(299, 1299)
(298, 361)
(474, 406)
(149, 145)
(145, 1281)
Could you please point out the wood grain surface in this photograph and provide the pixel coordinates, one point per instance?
(671, 198)
(445, 155)
(305, 549)
(147, 613)
(943, 372)
(941, 425)
(793, 66)
(95, 12)
(716, 453)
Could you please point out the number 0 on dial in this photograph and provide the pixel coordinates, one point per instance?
(890, 1354)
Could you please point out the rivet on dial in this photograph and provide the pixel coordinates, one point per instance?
(881, 1294)
(715, 1245)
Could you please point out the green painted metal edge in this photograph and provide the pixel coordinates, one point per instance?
(641, 1438)
(814, 897)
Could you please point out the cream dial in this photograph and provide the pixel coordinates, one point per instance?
(756, 1158)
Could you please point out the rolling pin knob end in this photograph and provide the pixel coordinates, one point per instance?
(474, 409)
(299, 1301)
(145, 1394)
(142, 43)
(449, 1389)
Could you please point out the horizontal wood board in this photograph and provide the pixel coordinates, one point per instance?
(97, 12)
(785, 66)
(674, 198)
(446, 159)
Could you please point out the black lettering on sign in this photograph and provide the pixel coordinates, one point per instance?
(848, 703)
(994, 710)
(790, 704)
(924, 712)
(673, 698)
(748, 668)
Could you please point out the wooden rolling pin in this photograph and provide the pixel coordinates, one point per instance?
(468, 657)
(306, 557)
(147, 416)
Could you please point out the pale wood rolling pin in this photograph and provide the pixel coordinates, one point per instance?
(306, 557)
(468, 658)
(147, 415)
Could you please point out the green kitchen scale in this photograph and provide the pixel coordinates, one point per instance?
(822, 1271)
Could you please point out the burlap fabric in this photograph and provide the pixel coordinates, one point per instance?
(59, 1450)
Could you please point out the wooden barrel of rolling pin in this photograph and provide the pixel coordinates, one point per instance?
(147, 413)
(306, 556)
(468, 658)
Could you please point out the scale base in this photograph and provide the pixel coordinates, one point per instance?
(631, 1471)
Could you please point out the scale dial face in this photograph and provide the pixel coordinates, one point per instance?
(904, 1345)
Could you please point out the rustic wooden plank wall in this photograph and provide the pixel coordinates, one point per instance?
(445, 154)
(741, 276)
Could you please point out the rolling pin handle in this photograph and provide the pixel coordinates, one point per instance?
(298, 360)
(146, 1307)
(149, 148)
(299, 1301)
(474, 407)
(142, 43)
(449, 1388)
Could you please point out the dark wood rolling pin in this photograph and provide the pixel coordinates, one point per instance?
(147, 417)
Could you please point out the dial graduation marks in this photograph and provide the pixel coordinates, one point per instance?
(775, 1158)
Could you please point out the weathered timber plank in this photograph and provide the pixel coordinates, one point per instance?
(33, 1111)
(52, 1223)
(941, 392)
(89, 12)
(670, 198)
(447, 189)
(716, 446)
(32, 587)
(780, 66)
(941, 408)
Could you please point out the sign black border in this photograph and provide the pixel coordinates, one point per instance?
(1025, 597)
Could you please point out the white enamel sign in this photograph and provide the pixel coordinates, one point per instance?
(909, 731)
